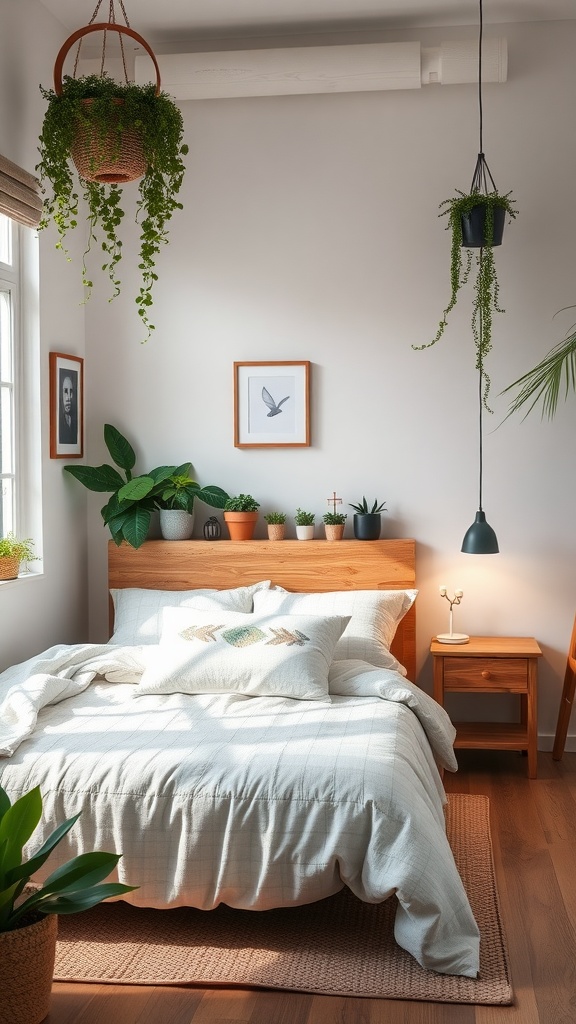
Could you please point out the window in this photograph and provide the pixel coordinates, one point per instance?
(9, 304)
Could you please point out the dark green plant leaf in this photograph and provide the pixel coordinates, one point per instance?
(121, 451)
(135, 528)
(29, 867)
(82, 900)
(213, 495)
(97, 478)
(544, 382)
(137, 488)
(19, 822)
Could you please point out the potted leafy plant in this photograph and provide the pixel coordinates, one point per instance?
(476, 220)
(89, 121)
(368, 521)
(129, 509)
(241, 516)
(276, 525)
(28, 923)
(334, 523)
(12, 553)
(176, 504)
(304, 524)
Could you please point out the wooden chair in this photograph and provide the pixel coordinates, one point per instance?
(567, 698)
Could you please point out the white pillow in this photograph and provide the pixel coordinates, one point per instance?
(138, 613)
(374, 617)
(230, 652)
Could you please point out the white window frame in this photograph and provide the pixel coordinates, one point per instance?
(10, 273)
(21, 278)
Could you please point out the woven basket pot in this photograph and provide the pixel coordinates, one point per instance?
(276, 531)
(99, 158)
(26, 968)
(334, 531)
(109, 158)
(9, 569)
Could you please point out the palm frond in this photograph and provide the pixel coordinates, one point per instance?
(544, 382)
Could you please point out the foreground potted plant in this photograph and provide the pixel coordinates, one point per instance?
(476, 220)
(12, 553)
(28, 923)
(276, 522)
(128, 511)
(90, 121)
(368, 521)
(304, 524)
(241, 516)
(334, 523)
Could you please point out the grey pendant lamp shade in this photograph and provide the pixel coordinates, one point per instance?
(480, 538)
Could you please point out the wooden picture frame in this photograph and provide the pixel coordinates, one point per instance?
(272, 404)
(66, 406)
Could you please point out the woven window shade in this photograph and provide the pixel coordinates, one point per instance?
(19, 194)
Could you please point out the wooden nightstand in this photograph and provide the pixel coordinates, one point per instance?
(492, 664)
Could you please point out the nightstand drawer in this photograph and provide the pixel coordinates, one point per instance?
(486, 673)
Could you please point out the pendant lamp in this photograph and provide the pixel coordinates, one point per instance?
(480, 538)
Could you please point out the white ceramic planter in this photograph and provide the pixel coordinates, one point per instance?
(305, 532)
(175, 524)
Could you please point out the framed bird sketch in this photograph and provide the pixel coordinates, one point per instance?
(272, 405)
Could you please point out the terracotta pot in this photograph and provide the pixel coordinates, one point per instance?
(334, 531)
(26, 968)
(276, 531)
(241, 525)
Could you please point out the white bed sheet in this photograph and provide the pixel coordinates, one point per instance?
(256, 802)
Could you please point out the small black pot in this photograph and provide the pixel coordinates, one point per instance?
(367, 525)
(473, 223)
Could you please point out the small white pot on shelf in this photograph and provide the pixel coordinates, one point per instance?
(305, 532)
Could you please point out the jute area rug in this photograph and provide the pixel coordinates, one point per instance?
(338, 946)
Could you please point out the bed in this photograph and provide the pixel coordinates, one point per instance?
(251, 735)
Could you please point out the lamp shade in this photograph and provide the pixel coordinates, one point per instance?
(480, 538)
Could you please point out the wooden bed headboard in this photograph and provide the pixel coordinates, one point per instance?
(304, 566)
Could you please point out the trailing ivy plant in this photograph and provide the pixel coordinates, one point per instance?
(158, 121)
(486, 288)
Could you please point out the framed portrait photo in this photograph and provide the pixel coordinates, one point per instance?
(66, 406)
(272, 405)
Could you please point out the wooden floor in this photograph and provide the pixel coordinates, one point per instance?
(534, 833)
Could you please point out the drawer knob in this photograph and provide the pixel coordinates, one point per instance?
(486, 674)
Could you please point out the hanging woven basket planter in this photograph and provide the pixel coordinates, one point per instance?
(109, 133)
(113, 154)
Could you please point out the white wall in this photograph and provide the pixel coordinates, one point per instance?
(52, 607)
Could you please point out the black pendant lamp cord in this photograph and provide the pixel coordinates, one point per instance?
(480, 406)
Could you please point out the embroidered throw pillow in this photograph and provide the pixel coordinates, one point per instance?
(230, 652)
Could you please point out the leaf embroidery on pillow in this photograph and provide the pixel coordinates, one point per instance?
(284, 636)
(244, 636)
(204, 633)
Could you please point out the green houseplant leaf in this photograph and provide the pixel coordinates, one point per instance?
(71, 888)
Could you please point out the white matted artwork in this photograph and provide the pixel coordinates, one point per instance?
(272, 405)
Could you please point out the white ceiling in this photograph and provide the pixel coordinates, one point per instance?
(171, 20)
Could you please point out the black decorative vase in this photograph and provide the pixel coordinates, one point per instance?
(473, 226)
(367, 526)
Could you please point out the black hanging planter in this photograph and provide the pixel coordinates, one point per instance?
(474, 229)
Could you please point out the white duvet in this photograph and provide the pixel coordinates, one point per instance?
(256, 802)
